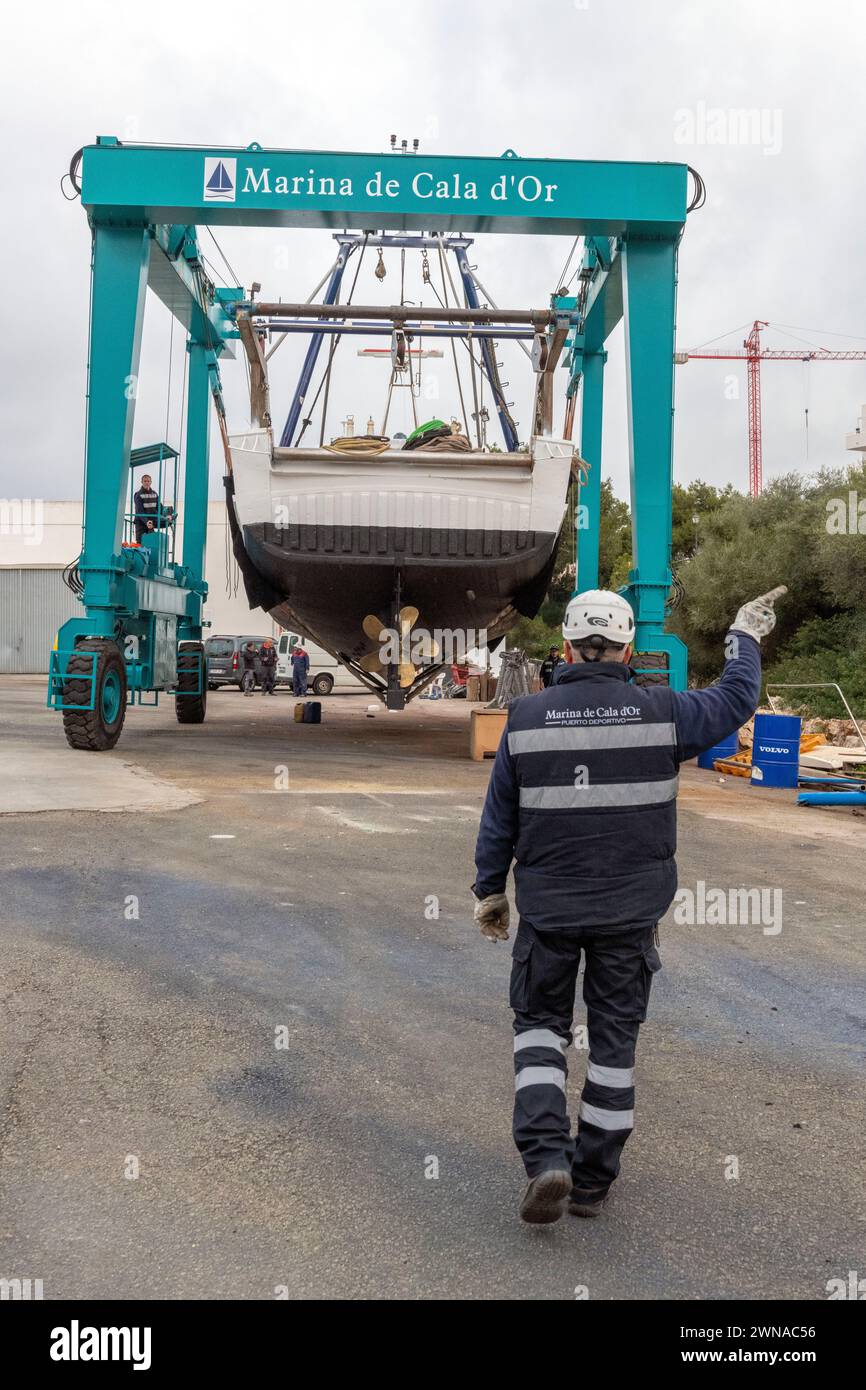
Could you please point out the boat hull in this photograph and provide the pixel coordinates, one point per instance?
(324, 540)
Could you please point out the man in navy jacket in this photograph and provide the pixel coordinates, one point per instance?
(583, 798)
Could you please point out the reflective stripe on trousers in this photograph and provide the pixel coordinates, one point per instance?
(617, 976)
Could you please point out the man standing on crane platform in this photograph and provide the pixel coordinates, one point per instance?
(583, 797)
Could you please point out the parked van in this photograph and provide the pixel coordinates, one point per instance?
(225, 665)
(326, 672)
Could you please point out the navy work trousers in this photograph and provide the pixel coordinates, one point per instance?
(618, 972)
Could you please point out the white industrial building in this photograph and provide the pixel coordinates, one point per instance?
(39, 539)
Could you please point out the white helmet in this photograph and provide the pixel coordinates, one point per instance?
(598, 612)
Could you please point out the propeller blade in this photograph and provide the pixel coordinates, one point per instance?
(408, 618)
(373, 627)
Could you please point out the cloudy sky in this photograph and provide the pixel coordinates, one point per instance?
(780, 238)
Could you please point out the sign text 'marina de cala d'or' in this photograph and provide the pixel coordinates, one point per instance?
(328, 188)
(224, 181)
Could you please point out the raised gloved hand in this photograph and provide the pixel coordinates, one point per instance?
(757, 619)
(492, 915)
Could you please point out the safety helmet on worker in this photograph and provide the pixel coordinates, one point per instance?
(599, 613)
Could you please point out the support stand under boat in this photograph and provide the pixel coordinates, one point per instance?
(395, 695)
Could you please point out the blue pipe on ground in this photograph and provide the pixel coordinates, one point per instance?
(831, 799)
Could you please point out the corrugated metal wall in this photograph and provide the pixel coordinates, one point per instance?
(33, 605)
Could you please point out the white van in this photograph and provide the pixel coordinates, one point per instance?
(326, 673)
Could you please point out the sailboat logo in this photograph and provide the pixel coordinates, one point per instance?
(220, 179)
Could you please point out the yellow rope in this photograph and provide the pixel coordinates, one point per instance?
(359, 444)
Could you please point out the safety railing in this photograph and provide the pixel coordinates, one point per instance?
(201, 671)
(813, 685)
(160, 523)
(58, 676)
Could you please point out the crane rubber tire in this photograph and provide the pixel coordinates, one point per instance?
(651, 662)
(191, 708)
(98, 729)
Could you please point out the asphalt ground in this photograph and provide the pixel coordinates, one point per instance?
(243, 1057)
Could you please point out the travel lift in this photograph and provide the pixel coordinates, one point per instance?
(141, 631)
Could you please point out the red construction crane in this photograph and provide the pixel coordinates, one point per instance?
(753, 356)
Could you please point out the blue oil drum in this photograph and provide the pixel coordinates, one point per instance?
(776, 750)
(726, 749)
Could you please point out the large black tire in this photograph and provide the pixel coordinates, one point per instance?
(651, 662)
(97, 729)
(191, 708)
(323, 684)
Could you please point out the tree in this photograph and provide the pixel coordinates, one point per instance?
(749, 545)
(690, 508)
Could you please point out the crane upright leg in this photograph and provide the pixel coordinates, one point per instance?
(649, 286)
(195, 487)
(590, 448)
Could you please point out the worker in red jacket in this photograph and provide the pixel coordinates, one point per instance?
(300, 667)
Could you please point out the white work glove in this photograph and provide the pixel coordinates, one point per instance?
(757, 619)
(492, 915)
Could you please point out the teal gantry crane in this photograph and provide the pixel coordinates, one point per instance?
(140, 631)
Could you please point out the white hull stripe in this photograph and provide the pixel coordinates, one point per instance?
(618, 794)
(610, 1076)
(539, 1037)
(606, 1119)
(539, 1076)
(597, 736)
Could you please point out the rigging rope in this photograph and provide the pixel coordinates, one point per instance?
(309, 299)
(561, 280)
(235, 280)
(445, 305)
(170, 373)
(334, 343)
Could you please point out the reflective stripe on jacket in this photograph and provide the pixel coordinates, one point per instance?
(583, 790)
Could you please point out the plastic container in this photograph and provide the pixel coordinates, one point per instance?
(313, 712)
(726, 749)
(776, 750)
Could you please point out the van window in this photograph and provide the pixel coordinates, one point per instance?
(284, 644)
(219, 646)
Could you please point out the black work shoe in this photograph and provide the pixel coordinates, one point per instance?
(587, 1201)
(544, 1199)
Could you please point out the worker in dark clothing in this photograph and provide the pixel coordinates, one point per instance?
(268, 662)
(300, 667)
(548, 666)
(249, 657)
(583, 797)
(147, 513)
